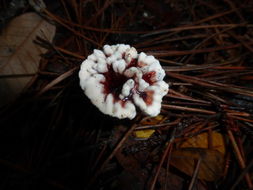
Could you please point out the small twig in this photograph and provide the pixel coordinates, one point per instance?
(115, 150)
(197, 51)
(100, 11)
(99, 157)
(178, 95)
(153, 182)
(246, 45)
(158, 125)
(195, 174)
(242, 175)
(167, 167)
(238, 154)
(241, 118)
(57, 80)
(182, 28)
(54, 17)
(188, 109)
(213, 84)
(70, 53)
(233, 6)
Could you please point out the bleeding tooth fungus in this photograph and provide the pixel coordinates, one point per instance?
(117, 80)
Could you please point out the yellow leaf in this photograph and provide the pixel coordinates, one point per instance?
(201, 141)
(143, 134)
(152, 120)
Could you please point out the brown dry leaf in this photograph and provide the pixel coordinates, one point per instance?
(193, 148)
(211, 167)
(130, 163)
(201, 141)
(172, 181)
(19, 55)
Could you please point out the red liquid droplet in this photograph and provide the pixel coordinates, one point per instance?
(148, 77)
(147, 97)
(114, 82)
(123, 55)
(133, 63)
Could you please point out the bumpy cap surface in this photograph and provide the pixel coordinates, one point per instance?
(118, 81)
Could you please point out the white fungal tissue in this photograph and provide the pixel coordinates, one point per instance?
(118, 81)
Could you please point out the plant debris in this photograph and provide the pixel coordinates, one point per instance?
(52, 137)
(20, 56)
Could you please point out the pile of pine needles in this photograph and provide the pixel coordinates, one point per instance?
(52, 137)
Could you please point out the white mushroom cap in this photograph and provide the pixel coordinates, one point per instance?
(117, 80)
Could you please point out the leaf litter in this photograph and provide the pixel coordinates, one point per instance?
(20, 56)
(203, 136)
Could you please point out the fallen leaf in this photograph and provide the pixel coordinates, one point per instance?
(174, 182)
(211, 167)
(146, 133)
(201, 141)
(152, 120)
(134, 156)
(129, 162)
(19, 55)
(194, 148)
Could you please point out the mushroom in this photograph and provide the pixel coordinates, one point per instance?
(118, 81)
